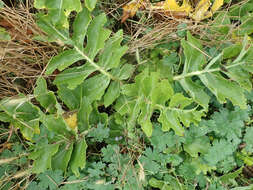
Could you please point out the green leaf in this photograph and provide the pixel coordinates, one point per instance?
(224, 89)
(84, 114)
(70, 97)
(80, 27)
(61, 159)
(124, 72)
(78, 158)
(60, 35)
(113, 51)
(57, 125)
(159, 184)
(229, 86)
(112, 93)
(46, 98)
(5, 117)
(96, 36)
(42, 157)
(58, 10)
(90, 4)
(150, 93)
(63, 60)
(231, 176)
(199, 145)
(4, 35)
(248, 139)
(94, 88)
(221, 24)
(175, 114)
(232, 51)
(194, 61)
(22, 114)
(1, 4)
(49, 180)
(74, 76)
(214, 155)
(99, 133)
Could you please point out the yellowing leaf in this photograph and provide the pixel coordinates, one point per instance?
(130, 9)
(216, 5)
(171, 5)
(71, 120)
(201, 11)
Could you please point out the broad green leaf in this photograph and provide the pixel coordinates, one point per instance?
(22, 114)
(196, 91)
(230, 87)
(124, 72)
(61, 159)
(70, 97)
(46, 98)
(96, 36)
(60, 35)
(39, 4)
(74, 76)
(80, 27)
(94, 88)
(90, 4)
(147, 92)
(240, 11)
(246, 28)
(176, 114)
(78, 157)
(58, 10)
(194, 61)
(57, 125)
(232, 51)
(221, 24)
(4, 35)
(169, 120)
(42, 157)
(224, 89)
(112, 93)
(193, 51)
(84, 114)
(201, 166)
(63, 60)
(113, 51)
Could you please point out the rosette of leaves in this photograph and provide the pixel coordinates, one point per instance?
(79, 87)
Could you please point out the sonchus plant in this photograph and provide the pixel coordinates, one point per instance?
(101, 79)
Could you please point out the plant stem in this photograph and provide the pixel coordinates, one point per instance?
(179, 77)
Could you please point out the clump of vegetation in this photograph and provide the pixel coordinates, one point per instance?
(174, 116)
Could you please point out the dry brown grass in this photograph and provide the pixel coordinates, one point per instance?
(153, 28)
(22, 59)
